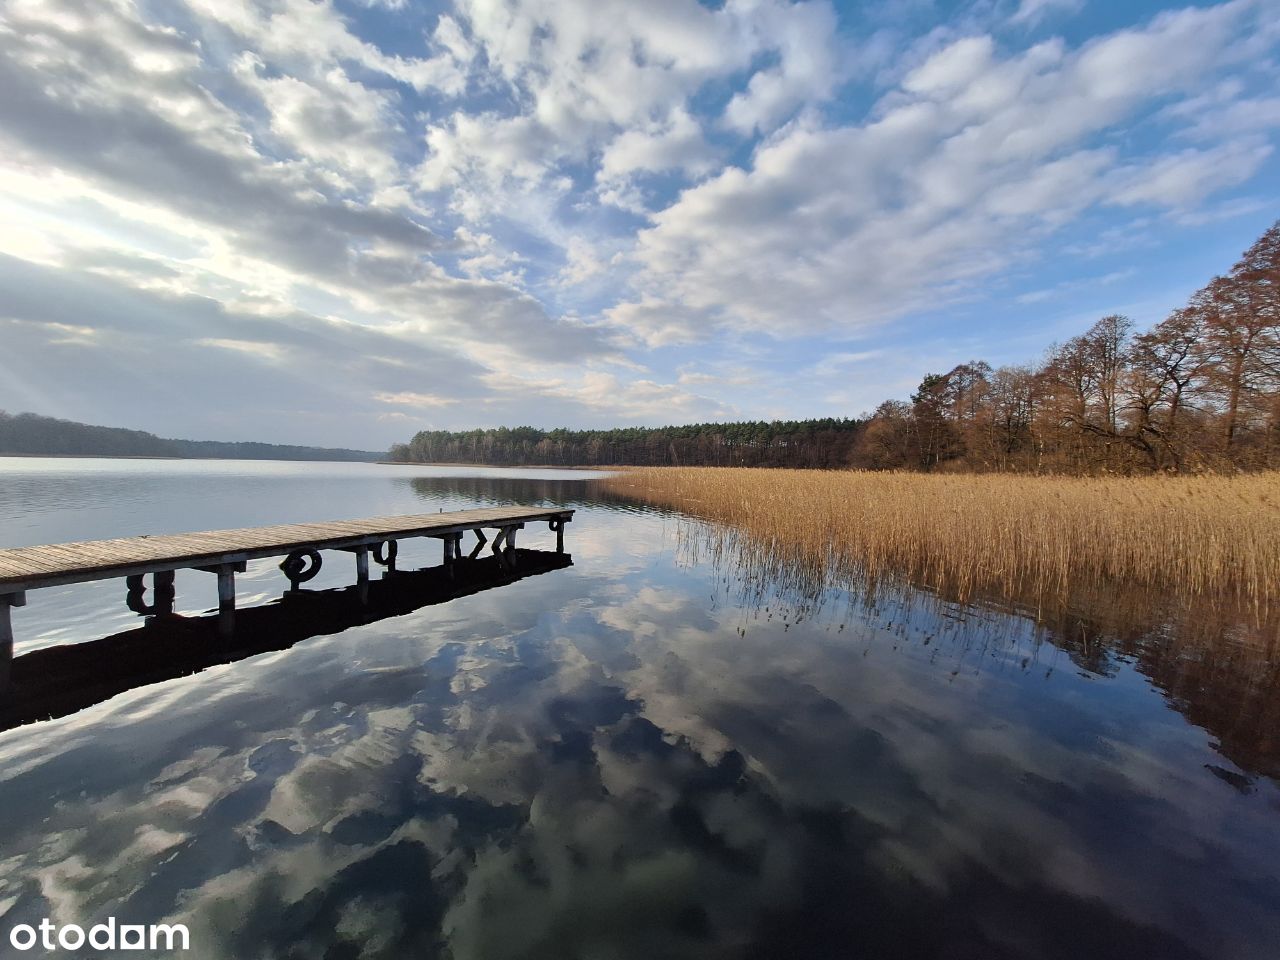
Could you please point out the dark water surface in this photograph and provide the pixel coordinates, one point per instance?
(626, 758)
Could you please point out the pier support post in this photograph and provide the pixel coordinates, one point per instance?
(226, 601)
(558, 526)
(481, 540)
(452, 543)
(504, 544)
(362, 568)
(7, 600)
(226, 595)
(362, 573)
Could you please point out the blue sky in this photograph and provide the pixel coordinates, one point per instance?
(344, 221)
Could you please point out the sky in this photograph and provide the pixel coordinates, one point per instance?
(340, 222)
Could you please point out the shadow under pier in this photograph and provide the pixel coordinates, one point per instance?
(57, 681)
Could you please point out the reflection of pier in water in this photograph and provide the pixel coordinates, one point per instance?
(56, 681)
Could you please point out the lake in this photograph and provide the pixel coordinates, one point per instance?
(649, 753)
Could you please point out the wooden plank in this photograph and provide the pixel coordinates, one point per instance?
(48, 564)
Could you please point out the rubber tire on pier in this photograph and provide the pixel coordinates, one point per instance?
(300, 566)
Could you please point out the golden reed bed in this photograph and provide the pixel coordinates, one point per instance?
(1026, 539)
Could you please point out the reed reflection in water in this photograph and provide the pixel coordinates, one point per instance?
(1216, 662)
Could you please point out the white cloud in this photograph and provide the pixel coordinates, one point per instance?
(1033, 11)
(259, 350)
(1234, 115)
(676, 143)
(486, 151)
(312, 35)
(615, 78)
(807, 70)
(342, 125)
(409, 398)
(952, 68)
(975, 158)
(1187, 177)
(581, 262)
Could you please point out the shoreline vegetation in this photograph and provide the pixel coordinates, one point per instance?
(1047, 544)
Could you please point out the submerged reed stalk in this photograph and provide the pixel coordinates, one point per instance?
(1028, 539)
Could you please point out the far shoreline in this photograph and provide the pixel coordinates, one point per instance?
(387, 463)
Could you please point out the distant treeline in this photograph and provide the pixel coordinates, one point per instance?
(1199, 391)
(781, 443)
(29, 433)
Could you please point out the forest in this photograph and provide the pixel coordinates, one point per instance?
(1198, 392)
(785, 443)
(30, 434)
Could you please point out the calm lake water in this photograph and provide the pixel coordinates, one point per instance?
(646, 754)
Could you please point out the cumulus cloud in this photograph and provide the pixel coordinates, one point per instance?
(615, 78)
(342, 125)
(807, 68)
(674, 144)
(146, 127)
(975, 152)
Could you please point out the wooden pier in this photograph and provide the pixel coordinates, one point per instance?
(225, 553)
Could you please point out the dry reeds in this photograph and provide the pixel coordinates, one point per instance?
(1024, 539)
